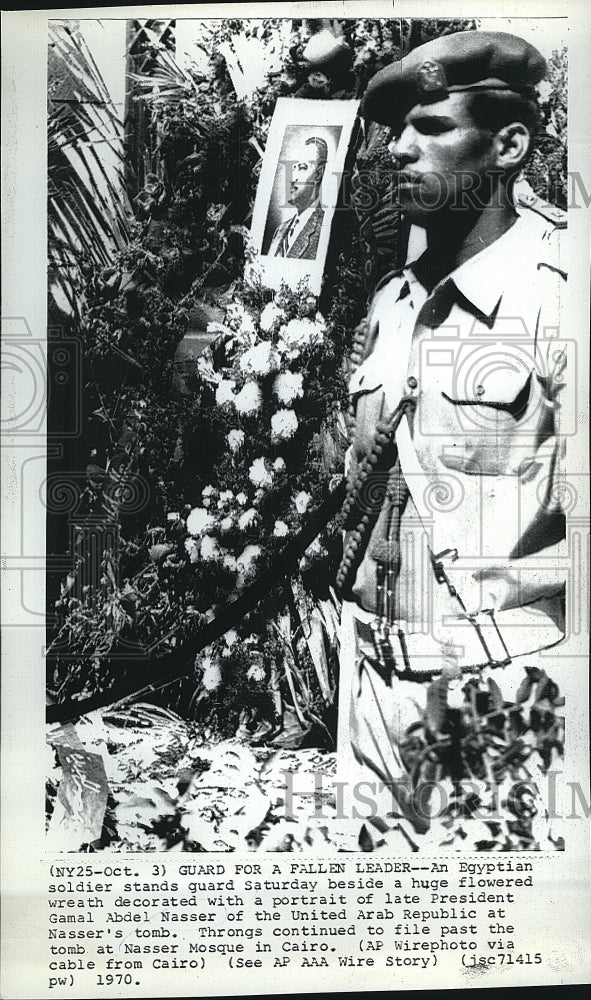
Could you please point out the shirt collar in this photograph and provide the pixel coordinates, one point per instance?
(484, 277)
(300, 220)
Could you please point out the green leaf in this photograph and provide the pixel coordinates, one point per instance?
(366, 841)
(524, 690)
(495, 693)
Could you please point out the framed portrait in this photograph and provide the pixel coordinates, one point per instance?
(298, 189)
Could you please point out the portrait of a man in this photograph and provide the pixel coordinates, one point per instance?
(298, 190)
(299, 234)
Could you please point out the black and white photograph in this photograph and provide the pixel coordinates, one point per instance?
(207, 472)
(303, 161)
(303, 183)
(295, 456)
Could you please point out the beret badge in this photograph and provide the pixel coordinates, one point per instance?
(431, 80)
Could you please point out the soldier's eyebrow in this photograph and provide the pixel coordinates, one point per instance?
(436, 120)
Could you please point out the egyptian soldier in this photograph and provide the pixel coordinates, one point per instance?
(453, 516)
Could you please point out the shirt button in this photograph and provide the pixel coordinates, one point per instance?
(479, 390)
(411, 382)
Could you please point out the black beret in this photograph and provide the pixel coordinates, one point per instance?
(463, 61)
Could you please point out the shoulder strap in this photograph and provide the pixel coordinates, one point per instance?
(553, 214)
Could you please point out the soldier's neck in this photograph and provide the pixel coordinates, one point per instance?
(453, 240)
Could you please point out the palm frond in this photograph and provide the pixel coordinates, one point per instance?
(166, 82)
(88, 210)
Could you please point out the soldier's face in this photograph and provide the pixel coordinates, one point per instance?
(444, 160)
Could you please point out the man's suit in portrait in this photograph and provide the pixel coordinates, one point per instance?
(304, 244)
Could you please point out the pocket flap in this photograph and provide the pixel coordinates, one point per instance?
(369, 376)
(495, 385)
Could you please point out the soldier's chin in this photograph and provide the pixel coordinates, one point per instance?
(417, 205)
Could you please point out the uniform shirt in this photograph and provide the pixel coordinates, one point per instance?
(483, 460)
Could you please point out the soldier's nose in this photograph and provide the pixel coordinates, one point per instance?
(403, 148)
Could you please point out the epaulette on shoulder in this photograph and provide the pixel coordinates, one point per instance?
(557, 216)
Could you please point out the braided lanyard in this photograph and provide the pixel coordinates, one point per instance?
(365, 495)
(385, 543)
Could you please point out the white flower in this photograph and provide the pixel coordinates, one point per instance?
(247, 325)
(225, 392)
(209, 548)
(193, 549)
(249, 399)
(241, 498)
(298, 333)
(206, 369)
(235, 439)
(279, 464)
(212, 675)
(544, 89)
(260, 359)
(225, 497)
(256, 672)
(215, 327)
(301, 501)
(226, 524)
(258, 473)
(271, 315)
(288, 386)
(247, 559)
(281, 529)
(238, 318)
(231, 637)
(199, 521)
(247, 519)
(314, 548)
(208, 494)
(320, 324)
(284, 424)
(173, 516)
(229, 562)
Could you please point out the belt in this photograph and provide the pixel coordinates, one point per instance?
(392, 651)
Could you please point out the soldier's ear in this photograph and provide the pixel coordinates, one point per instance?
(512, 144)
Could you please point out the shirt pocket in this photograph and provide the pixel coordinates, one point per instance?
(500, 428)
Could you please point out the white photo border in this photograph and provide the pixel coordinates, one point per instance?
(293, 111)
